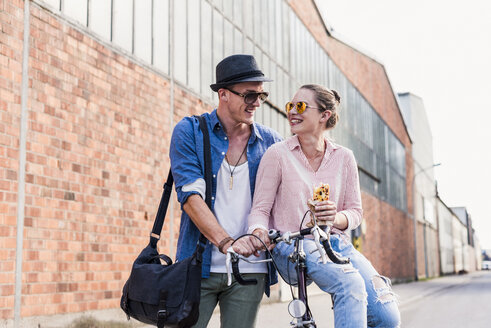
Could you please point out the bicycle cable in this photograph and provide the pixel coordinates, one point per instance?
(265, 248)
(301, 222)
(271, 255)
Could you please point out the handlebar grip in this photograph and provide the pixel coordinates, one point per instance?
(332, 256)
(239, 278)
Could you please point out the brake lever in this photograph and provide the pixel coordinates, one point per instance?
(318, 234)
(228, 260)
(232, 260)
(326, 243)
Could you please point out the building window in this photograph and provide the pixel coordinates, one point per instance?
(238, 12)
(143, 30)
(207, 71)
(100, 18)
(194, 55)
(228, 36)
(55, 4)
(123, 24)
(217, 37)
(76, 9)
(180, 42)
(248, 18)
(238, 41)
(161, 35)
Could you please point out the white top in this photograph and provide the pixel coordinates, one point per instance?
(232, 207)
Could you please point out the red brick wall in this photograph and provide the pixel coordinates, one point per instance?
(388, 240)
(97, 156)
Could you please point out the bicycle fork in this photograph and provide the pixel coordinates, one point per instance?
(302, 314)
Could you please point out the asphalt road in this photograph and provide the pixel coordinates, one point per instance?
(464, 304)
(457, 301)
(462, 301)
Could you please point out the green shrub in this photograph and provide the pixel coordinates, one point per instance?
(91, 322)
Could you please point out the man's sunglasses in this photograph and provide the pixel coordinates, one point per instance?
(300, 106)
(251, 97)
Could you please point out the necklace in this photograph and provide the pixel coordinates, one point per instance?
(315, 156)
(231, 181)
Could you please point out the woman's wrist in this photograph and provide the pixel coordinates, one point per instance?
(341, 222)
(254, 227)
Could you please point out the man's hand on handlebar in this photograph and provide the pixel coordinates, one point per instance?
(263, 235)
(245, 246)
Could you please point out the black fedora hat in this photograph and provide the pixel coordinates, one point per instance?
(237, 69)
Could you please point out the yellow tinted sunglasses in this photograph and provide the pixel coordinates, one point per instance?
(300, 106)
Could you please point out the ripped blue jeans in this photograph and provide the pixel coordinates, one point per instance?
(362, 297)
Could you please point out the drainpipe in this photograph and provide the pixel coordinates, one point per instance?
(425, 248)
(21, 187)
(171, 73)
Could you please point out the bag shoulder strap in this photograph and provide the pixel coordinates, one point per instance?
(208, 180)
(160, 217)
(207, 154)
(164, 201)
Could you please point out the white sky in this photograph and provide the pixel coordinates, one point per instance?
(441, 51)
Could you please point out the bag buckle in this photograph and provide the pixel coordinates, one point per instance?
(162, 314)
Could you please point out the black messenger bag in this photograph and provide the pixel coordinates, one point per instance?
(167, 295)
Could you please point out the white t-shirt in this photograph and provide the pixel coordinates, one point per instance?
(232, 207)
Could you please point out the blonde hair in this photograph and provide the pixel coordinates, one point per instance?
(327, 99)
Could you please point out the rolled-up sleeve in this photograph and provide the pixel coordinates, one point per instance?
(267, 181)
(352, 208)
(185, 164)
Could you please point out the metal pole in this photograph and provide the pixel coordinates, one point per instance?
(425, 249)
(172, 104)
(415, 232)
(21, 187)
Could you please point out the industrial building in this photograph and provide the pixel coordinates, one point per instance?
(89, 94)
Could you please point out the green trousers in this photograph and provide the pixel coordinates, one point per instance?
(238, 304)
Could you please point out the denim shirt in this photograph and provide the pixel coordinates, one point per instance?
(187, 164)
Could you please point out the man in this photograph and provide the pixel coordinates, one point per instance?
(237, 145)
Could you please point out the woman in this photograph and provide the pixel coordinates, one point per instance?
(286, 176)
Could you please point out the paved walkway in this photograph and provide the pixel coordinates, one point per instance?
(276, 314)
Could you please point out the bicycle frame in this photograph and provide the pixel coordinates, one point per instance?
(301, 268)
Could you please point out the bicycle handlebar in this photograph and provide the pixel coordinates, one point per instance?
(321, 239)
(232, 260)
